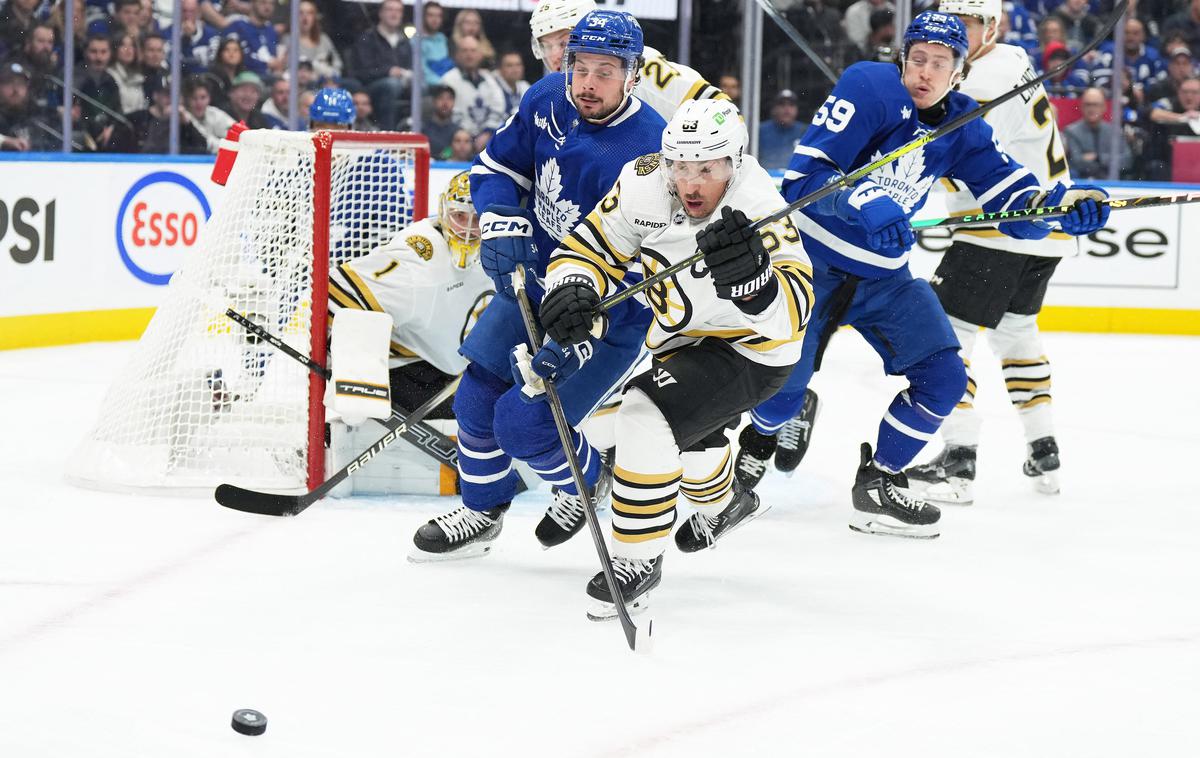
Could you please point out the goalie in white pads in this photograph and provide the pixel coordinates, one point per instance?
(990, 280)
(725, 333)
(428, 279)
(662, 84)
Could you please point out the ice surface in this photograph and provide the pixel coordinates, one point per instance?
(1035, 626)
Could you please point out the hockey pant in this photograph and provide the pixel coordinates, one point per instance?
(1017, 342)
(900, 318)
(671, 439)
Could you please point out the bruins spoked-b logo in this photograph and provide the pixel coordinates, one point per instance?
(672, 308)
(420, 245)
(647, 164)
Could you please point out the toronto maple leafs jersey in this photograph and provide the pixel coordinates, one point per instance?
(1026, 128)
(869, 114)
(640, 221)
(432, 302)
(665, 86)
(558, 161)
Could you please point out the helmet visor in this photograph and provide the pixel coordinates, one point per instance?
(715, 170)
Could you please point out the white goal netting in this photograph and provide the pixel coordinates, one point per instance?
(203, 402)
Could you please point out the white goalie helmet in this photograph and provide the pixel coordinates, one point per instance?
(554, 16)
(987, 11)
(705, 130)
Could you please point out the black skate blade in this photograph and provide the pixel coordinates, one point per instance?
(866, 529)
(416, 555)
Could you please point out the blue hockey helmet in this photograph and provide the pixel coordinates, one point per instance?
(939, 29)
(607, 33)
(333, 105)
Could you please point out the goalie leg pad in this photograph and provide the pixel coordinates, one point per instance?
(359, 386)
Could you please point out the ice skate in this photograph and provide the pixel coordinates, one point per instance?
(882, 504)
(753, 455)
(1042, 465)
(794, 436)
(461, 533)
(948, 478)
(565, 517)
(636, 577)
(702, 530)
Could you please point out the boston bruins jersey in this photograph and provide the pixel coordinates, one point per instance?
(432, 302)
(664, 85)
(1026, 129)
(640, 221)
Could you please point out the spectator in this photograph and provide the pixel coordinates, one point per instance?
(364, 114)
(244, 97)
(275, 109)
(478, 96)
(777, 138)
(380, 61)
(126, 17)
(1142, 60)
(260, 41)
(16, 19)
(1171, 118)
(462, 147)
(1180, 66)
(822, 25)
(195, 38)
(730, 85)
(220, 14)
(315, 44)
(1186, 23)
(1079, 26)
(1018, 26)
(435, 48)
(228, 63)
(305, 101)
(153, 51)
(440, 125)
(883, 31)
(39, 60)
(511, 78)
(1067, 83)
(208, 123)
(1089, 143)
(1049, 30)
(468, 23)
(15, 127)
(93, 80)
(126, 71)
(152, 126)
(80, 28)
(858, 19)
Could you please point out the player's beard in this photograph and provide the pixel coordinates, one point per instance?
(603, 113)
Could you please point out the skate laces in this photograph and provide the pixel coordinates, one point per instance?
(790, 433)
(899, 497)
(705, 526)
(752, 466)
(566, 509)
(461, 523)
(628, 569)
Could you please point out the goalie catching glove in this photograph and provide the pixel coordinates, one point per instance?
(1088, 215)
(554, 362)
(738, 261)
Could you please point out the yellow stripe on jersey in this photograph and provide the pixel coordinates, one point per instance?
(342, 297)
(361, 288)
(1020, 384)
(694, 92)
(569, 259)
(596, 227)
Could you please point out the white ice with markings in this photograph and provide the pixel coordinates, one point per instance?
(1035, 626)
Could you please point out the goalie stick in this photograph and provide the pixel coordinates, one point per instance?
(1052, 211)
(589, 510)
(847, 180)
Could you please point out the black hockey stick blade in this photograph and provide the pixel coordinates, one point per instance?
(632, 637)
(860, 173)
(274, 504)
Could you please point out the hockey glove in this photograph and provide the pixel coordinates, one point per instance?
(1088, 216)
(506, 239)
(569, 311)
(870, 206)
(555, 362)
(738, 261)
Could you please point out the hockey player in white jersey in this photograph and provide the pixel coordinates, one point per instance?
(724, 337)
(990, 280)
(427, 277)
(662, 85)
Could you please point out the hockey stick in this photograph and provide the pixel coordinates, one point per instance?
(272, 504)
(848, 179)
(424, 437)
(1052, 211)
(789, 30)
(564, 437)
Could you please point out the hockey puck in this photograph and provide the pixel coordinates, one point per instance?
(248, 721)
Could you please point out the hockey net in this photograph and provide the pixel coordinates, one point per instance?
(202, 402)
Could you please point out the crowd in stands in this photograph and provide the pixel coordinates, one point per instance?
(235, 67)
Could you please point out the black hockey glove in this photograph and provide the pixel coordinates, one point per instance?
(738, 261)
(569, 309)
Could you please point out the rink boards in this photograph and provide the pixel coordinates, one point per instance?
(88, 246)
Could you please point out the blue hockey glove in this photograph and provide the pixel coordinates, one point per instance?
(870, 206)
(506, 239)
(554, 362)
(1089, 215)
(569, 311)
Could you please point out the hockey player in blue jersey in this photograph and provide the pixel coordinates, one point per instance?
(560, 153)
(859, 238)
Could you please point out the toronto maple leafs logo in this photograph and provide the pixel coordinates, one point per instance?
(555, 213)
(904, 179)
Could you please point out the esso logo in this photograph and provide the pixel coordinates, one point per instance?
(158, 222)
